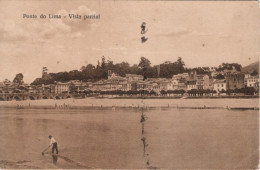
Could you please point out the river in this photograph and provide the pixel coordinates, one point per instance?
(116, 138)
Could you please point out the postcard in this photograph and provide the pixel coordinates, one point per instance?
(122, 84)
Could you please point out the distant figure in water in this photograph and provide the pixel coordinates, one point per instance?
(142, 119)
(54, 144)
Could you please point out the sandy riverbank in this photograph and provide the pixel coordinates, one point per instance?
(211, 103)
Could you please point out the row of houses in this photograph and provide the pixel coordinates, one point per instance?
(236, 81)
(132, 82)
(184, 81)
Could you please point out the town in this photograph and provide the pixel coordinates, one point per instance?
(222, 83)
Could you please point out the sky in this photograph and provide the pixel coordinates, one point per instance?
(203, 33)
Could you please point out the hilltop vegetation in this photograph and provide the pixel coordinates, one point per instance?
(251, 67)
(94, 73)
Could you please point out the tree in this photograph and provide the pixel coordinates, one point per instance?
(44, 71)
(248, 91)
(180, 64)
(200, 70)
(229, 66)
(6, 81)
(182, 91)
(103, 62)
(18, 78)
(163, 92)
(98, 65)
(144, 64)
(152, 93)
(135, 69)
(82, 68)
(110, 64)
(121, 69)
(223, 91)
(168, 69)
(74, 75)
(220, 77)
(87, 72)
(254, 73)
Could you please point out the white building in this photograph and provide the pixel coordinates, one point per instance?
(175, 84)
(180, 76)
(191, 84)
(134, 77)
(220, 85)
(247, 75)
(62, 87)
(252, 81)
(169, 85)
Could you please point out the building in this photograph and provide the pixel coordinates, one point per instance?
(134, 77)
(180, 76)
(213, 72)
(125, 86)
(45, 89)
(156, 88)
(247, 75)
(220, 85)
(202, 81)
(31, 90)
(235, 80)
(252, 81)
(182, 84)
(175, 83)
(211, 84)
(62, 87)
(149, 85)
(163, 85)
(113, 76)
(169, 85)
(102, 85)
(141, 85)
(77, 86)
(133, 86)
(191, 84)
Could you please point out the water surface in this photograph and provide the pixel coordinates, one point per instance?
(115, 138)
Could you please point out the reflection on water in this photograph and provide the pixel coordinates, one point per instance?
(143, 139)
(143, 119)
(55, 159)
(169, 138)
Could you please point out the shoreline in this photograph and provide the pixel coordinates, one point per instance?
(134, 103)
(181, 97)
(123, 108)
(72, 96)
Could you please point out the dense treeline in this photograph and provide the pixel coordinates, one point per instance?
(100, 71)
(229, 66)
(93, 73)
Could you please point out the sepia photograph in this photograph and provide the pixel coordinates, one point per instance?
(128, 84)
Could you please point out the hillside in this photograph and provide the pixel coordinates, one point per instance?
(251, 67)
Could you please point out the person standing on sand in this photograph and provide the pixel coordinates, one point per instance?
(54, 144)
